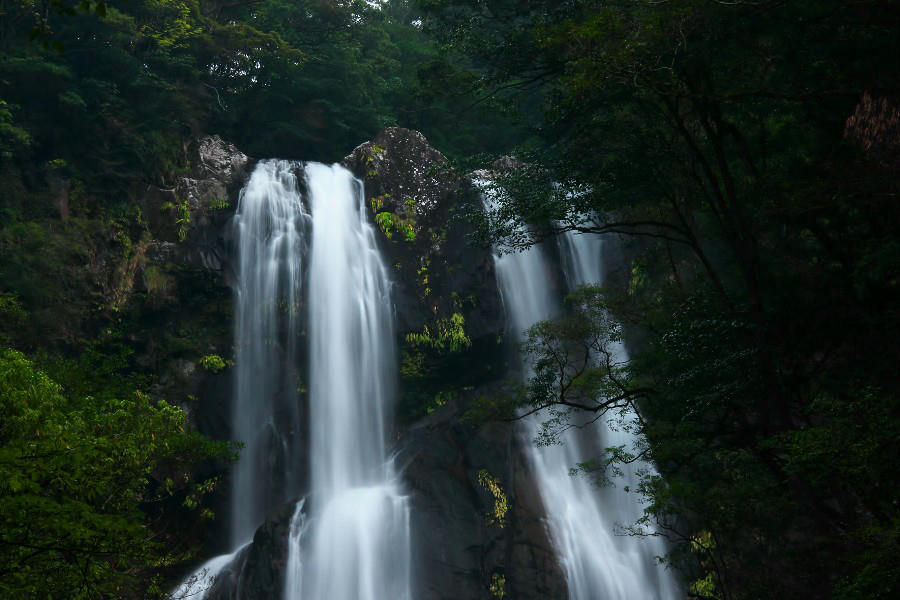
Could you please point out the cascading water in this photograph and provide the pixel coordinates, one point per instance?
(355, 545)
(268, 229)
(265, 417)
(582, 518)
(350, 539)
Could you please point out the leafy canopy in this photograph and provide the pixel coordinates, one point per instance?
(76, 477)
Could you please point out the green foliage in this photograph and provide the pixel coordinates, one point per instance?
(182, 217)
(128, 81)
(703, 546)
(409, 234)
(40, 258)
(440, 399)
(12, 316)
(501, 503)
(742, 149)
(431, 362)
(497, 588)
(448, 334)
(385, 221)
(390, 222)
(576, 365)
(423, 275)
(432, 377)
(214, 363)
(13, 139)
(76, 472)
(160, 284)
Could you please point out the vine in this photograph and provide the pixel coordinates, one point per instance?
(501, 503)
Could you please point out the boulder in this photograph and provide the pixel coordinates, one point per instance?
(258, 571)
(456, 474)
(414, 197)
(187, 221)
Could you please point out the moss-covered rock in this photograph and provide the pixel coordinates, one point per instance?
(476, 512)
(449, 314)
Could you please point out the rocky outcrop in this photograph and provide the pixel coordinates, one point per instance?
(401, 165)
(187, 220)
(219, 160)
(182, 283)
(461, 478)
(414, 197)
(258, 570)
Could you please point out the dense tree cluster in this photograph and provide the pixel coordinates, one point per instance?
(747, 152)
(108, 97)
(86, 483)
(744, 153)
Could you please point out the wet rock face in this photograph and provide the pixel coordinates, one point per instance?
(258, 571)
(463, 545)
(456, 475)
(400, 164)
(413, 198)
(187, 220)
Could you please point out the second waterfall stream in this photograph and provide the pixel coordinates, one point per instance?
(582, 519)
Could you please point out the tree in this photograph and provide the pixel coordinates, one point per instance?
(717, 138)
(77, 478)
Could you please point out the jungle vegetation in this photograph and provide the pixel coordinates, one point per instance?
(745, 156)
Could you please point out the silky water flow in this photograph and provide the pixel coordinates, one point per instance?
(584, 520)
(349, 538)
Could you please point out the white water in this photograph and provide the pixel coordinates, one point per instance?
(265, 417)
(355, 545)
(582, 518)
(350, 539)
(195, 586)
(269, 227)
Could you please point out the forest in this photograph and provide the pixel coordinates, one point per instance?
(742, 157)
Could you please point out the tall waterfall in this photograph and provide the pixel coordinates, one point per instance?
(354, 542)
(349, 539)
(265, 416)
(582, 518)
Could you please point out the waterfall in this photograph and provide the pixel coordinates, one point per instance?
(356, 544)
(582, 519)
(195, 586)
(313, 258)
(268, 228)
(349, 539)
